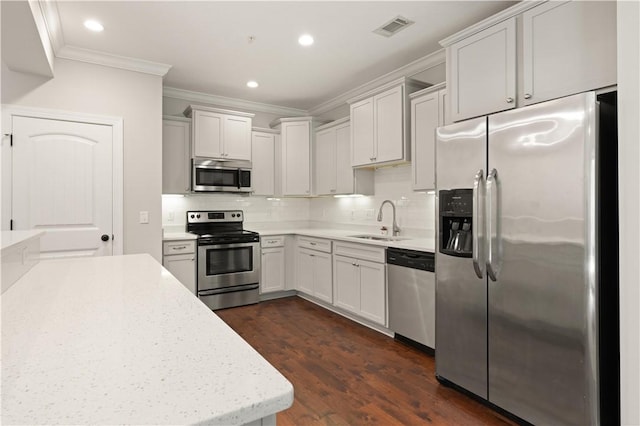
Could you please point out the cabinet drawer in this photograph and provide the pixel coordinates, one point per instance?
(360, 251)
(178, 247)
(315, 244)
(273, 241)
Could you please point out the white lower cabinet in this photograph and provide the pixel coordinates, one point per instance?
(179, 257)
(313, 268)
(373, 296)
(359, 284)
(272, 264)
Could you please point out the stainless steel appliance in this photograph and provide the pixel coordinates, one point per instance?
(228, 259)
(524, 290)
(412, 295)
(220, 176)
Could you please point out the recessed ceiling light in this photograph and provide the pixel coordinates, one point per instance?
(305, 40)
(93, 25)
(252, 84)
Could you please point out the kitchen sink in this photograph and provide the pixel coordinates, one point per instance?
(378, 237)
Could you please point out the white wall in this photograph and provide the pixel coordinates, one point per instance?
(137, 98)
(257, 210)
(415, 211)
(629, 181)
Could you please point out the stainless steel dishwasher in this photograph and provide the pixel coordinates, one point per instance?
(412, 294)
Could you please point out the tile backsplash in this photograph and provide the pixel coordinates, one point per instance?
(415, 210)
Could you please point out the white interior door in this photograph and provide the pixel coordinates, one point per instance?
(62, 184)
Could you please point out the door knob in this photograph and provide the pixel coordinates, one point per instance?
(104, 237)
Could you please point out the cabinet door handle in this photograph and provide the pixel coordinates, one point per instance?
(509, 100)
(313, 244)
(179, 248)
(527, 95)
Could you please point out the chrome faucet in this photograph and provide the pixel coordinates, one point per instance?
(396, 230)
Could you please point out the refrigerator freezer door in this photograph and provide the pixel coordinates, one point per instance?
(461, 297)
(542, 343)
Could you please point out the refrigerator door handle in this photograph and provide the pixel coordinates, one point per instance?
(478, 222)
(493, 226)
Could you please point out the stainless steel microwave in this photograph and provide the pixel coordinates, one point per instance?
(220, 176)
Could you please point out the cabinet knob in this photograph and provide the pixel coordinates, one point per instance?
(104, 237)
(527, 95)
(509, 100)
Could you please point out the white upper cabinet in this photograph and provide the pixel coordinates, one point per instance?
(263, 172)
(362, 133)
(333, 171)
(529, 53)
(237, 137)
(481, 72)
(295, 154)
(568, 47)
(427, 113)
(390, 126)
(325, 159)
(219, 133)
(379, 124)
(176, 142)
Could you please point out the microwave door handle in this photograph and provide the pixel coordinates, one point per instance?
(193, 176)
(239, 178)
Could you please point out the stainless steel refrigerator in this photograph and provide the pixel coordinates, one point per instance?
(519, 262)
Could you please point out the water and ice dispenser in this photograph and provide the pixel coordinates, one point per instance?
(456, 222)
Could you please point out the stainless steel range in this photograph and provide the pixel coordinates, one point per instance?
(228, 258)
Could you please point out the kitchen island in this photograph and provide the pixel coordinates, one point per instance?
(118, 340)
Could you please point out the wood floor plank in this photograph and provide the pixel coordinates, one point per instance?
(346, 374)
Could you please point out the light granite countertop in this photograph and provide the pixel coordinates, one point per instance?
(118, 340)
(405, 242)
(12, 238)
(177, 236)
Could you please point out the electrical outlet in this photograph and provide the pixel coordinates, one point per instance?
(144, 217)
(172, 216)
(370, 213)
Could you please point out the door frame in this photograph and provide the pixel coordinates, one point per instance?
(116, 123)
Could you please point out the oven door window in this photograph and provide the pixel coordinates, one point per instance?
(229, 260)
(216, 177)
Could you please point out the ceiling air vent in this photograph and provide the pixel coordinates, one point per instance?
(393, 26)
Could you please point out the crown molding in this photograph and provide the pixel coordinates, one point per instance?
(429, 89)
(334, 123)
(51, 17)
(265, 130)
(189, 111)
(114, 61)
(490, 21)
(187, 95)
(412, 68)
(52, 21)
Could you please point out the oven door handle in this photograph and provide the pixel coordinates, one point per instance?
(246, 287)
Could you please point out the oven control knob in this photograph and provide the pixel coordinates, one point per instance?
(198, 216)
(192, 216)
(233, 215)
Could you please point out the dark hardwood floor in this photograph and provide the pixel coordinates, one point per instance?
(346, 374)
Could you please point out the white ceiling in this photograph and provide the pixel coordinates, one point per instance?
(207, 43)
